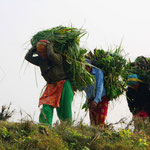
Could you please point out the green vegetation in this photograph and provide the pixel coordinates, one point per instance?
(141, 66)
(66, 41)
(115, 68)
(29, 136)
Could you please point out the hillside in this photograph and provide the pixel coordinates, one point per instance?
(29, 136)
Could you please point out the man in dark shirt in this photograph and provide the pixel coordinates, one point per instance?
(58, 93)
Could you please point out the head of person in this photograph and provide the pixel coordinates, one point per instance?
(41, 47)
(88, 64)
(133, 81)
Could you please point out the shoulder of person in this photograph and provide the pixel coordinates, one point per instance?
(99, 70)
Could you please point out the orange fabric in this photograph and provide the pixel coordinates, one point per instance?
(52, 94)
(98, 115)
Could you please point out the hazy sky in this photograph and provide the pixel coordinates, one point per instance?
(107, 22)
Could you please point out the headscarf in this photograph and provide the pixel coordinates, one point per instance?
(41, 45)
(133, 79)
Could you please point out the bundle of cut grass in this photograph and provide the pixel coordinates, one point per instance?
(115, 68)
(141, 67)
(66, 42)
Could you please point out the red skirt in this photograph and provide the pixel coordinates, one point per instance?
(98, 115)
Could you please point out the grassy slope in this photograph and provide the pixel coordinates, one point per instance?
(29, 136)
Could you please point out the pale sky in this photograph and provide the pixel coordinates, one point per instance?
(107, 22)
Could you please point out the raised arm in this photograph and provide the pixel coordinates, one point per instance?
(54, 57)
(29, 57)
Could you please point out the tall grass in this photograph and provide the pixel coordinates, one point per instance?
(27, 135)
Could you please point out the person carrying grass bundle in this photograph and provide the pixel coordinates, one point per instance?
(96, 96)
(138, 97)
(58, 93)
